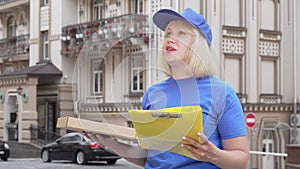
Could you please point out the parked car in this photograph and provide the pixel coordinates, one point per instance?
(77, 148)
(4, 150)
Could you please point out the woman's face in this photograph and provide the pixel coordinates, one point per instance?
(177, 43)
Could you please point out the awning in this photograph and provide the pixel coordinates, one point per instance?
(38, 70)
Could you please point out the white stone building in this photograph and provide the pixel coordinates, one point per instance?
(95, 58)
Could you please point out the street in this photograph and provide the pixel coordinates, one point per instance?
(36, 163)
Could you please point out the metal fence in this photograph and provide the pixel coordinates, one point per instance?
(40, 136)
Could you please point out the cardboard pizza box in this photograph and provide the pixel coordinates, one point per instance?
(76, 124)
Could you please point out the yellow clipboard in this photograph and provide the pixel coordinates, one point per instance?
(163, 129)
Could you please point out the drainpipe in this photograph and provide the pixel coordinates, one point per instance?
(149, 46)
(295, 69)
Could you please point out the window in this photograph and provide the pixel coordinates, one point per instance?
(98, 9)
(45, 45)
(98, 77)
(69, 139)
(12, 27)
(269, 75)
(233, 47)
(137, 6)
(137, 74)
(234, 69)
(269, 51)
(45, 2)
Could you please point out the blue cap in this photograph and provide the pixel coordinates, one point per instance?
(164, 16)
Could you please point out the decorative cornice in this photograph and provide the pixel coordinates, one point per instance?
(270, 35)
(109, 107)
(234, 31)
(258, 107)
(124, 107)
(13, 81)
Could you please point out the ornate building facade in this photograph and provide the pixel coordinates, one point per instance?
(94, 59)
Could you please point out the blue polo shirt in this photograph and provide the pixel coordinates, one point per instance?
(223, 117)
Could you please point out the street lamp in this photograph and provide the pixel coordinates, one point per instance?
(19, 90)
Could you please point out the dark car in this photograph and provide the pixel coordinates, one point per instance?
(4, 150)
(79, 149)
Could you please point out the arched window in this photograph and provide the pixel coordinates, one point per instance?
(12, 27)
(269, 50)
(269, 15)
(234, 13)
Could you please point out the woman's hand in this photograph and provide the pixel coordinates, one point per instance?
(203, 150)
(234, 156)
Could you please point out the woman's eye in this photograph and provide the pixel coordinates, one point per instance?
(181, 33)
(168, 34)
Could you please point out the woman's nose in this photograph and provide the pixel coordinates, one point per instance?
(170, 39)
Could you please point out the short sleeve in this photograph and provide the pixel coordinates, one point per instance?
(232, 122)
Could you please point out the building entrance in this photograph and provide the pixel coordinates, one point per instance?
(12, 116)
(268, 146)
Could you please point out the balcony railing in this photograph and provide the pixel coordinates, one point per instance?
(6, 1)
(14, 46)
(103, 34)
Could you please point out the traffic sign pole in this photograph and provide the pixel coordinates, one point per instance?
(250, 120)
(251, 147)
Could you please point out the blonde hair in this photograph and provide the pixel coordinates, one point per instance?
(200, 61)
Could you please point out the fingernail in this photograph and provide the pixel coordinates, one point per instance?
(181, 145)
(199, 134)
(183, 138)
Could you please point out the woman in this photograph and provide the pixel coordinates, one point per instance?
(189, 65)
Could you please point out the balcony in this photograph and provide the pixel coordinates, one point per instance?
(18, 45)
(8, 5)
(6, 1)
(103, 34)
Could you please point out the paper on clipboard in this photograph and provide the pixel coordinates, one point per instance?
(163, 129)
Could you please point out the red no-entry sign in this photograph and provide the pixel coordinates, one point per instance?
(250, 120)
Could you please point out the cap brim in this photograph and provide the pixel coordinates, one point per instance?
(163, 17)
